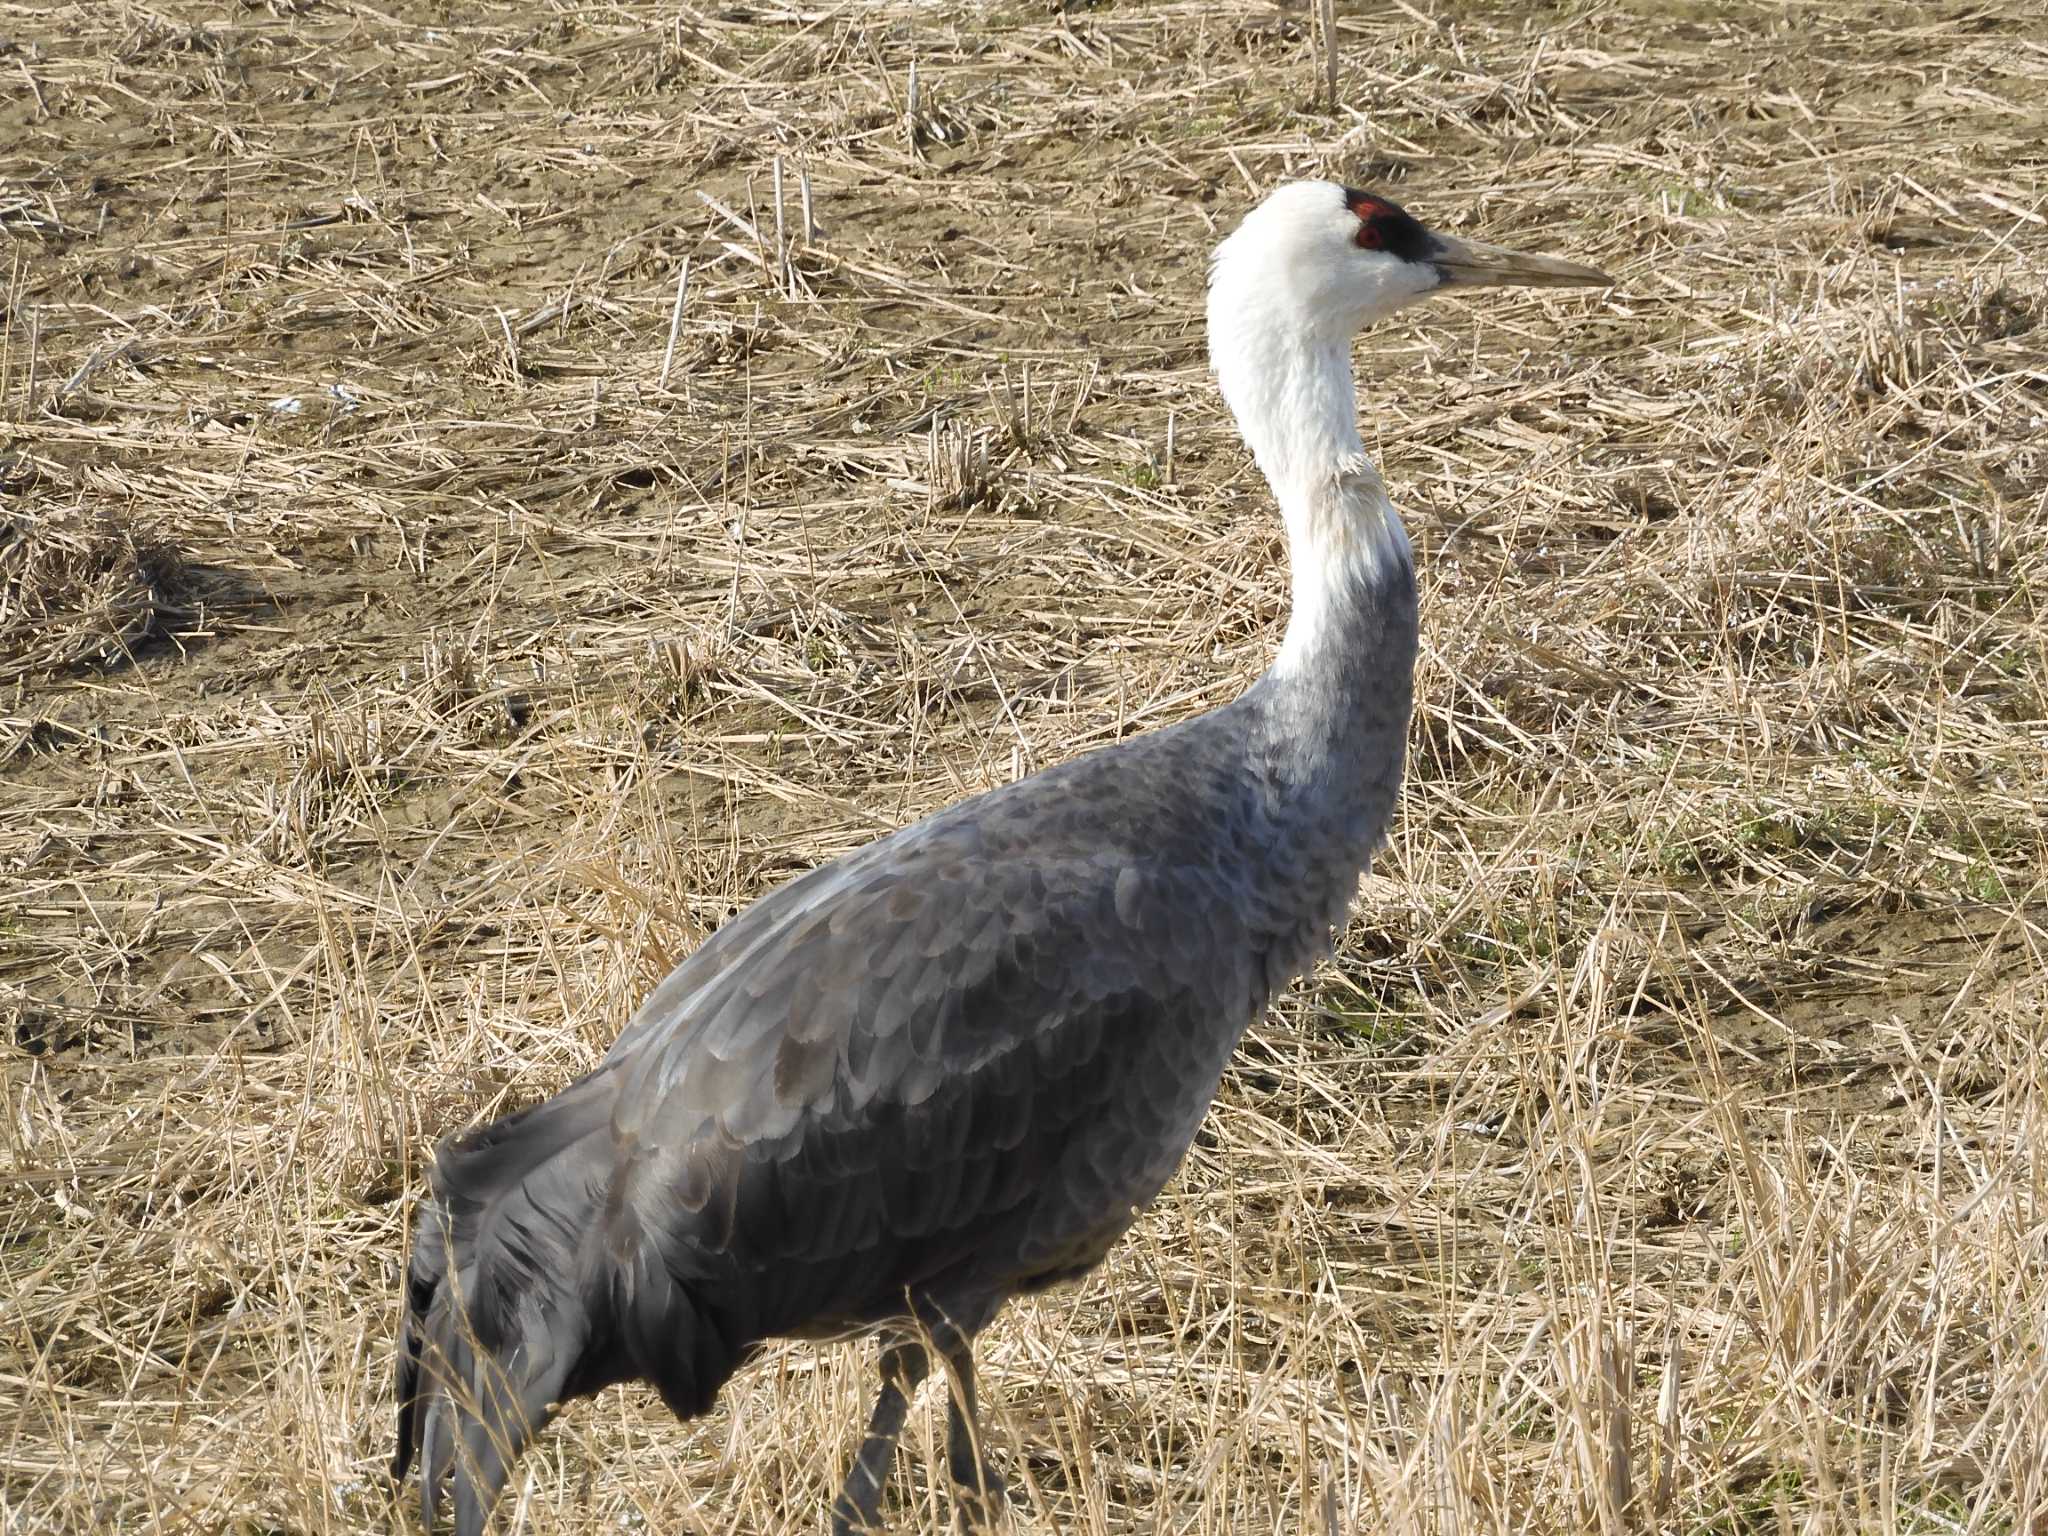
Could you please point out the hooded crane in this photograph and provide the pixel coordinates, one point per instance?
(949, 1068)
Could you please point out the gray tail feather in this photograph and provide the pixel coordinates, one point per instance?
(509, 1305)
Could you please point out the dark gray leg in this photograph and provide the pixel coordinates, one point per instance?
(979, 1497)
(858, 1509)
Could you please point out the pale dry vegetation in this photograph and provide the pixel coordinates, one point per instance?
(405, 662)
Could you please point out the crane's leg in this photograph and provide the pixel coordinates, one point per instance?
(979, 1497)
(858, 1509)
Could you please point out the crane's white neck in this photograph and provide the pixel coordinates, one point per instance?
(1292, 392)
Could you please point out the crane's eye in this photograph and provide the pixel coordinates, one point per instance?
(1371, 213)
(1383, 226)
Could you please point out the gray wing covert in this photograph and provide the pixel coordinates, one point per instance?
(930, 1047)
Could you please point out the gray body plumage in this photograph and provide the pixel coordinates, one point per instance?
(944, 1070)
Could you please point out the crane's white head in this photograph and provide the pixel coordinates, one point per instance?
(1318, 259)
(1308, 269)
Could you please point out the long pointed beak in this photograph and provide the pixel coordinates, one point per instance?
(1472, 264)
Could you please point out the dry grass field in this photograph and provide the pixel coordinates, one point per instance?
(417, 633)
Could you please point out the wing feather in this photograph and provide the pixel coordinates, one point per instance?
(902, 1059)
